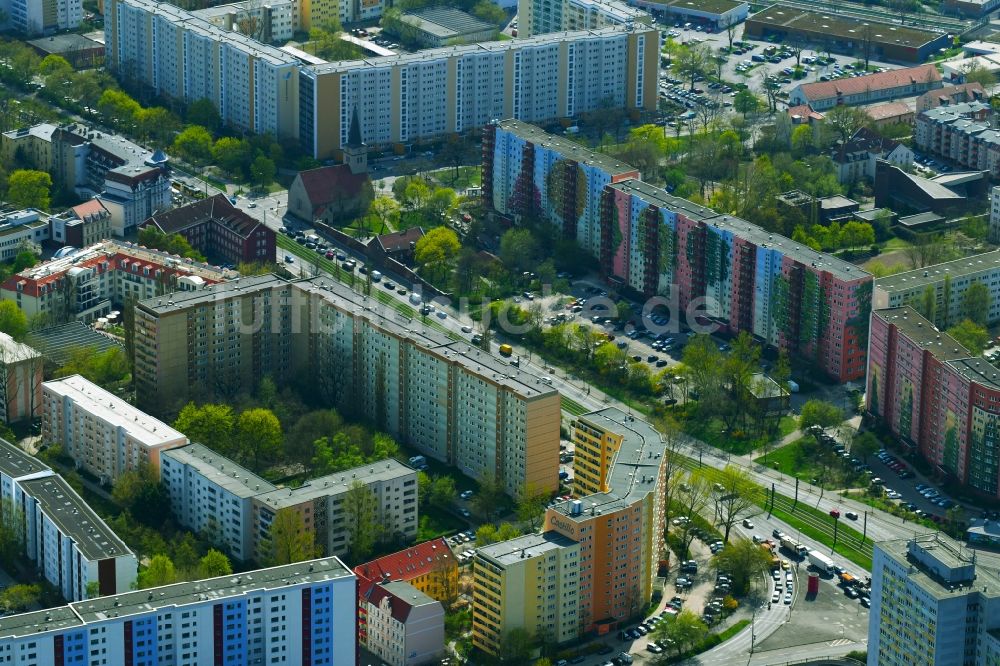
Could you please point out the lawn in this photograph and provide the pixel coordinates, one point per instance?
(801, 460)
(572, 407)
(435, 523)
(468, 176)
(713, 433)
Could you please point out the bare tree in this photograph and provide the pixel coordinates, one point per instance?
(692, 62)
(927, 250)
(770, 86)
(694, 496)
(20, 370)
(867, 37)
(735, 496)
(731, 34)
(250, 20)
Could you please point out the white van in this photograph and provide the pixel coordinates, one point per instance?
(376, 276)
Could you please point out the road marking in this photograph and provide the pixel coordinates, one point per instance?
(840, 641)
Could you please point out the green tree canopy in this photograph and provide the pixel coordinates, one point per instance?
(976, 303)
(970, 335)
(159, 572)
(152, 237)
(820, 413)
(258, 438)
(13, 321)
(262, 171)
(745, 561)
(214, 564)
(289, 540)
(194, 144)
(211, 425)
(27, 188)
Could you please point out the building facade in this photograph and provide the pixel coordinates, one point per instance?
(210, 494)
(453, 402)
(23, 230)
(81, 226)
(933, 602)
(537, 17)
(88, 284)
(529, 173)
(20, 380)
(531, 583)
(34, 17)
(993, 234)
(271, 21)
(132, 194)
(403, 626)
(420, 96)
(936, 398)
(867, 89)
(185, 57)
(948, 282)
(220, 230)
(67, 542)
(739, 275)
(299, 613)
(101, 432)
(855, 159)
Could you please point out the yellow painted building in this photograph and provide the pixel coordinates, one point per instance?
(530, 583)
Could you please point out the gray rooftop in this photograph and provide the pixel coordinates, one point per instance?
(506, 553)
(220, 470)
(50, 619)
(979, 370)
(15, 463)
(57, 342)
(445, 22)
(742, 229)
(334, 484)
(489, 367)
(943, 567)
(182, 594)
(75, 518)
(633, 472)
(437, 54)
(923, 334)
(921, 277)
(569, 149)
(407, 593)
(67, 43)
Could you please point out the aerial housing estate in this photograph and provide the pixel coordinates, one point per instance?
(618, 507)
(936, 397)
(399, 98)
(709, 265)
(72, 548)
(300, 613)
(454, 402)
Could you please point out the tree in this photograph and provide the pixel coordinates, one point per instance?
(516, 647)
(928, 303)
(746, 102)
(214, 564)
(745, 561)
(194, 144)
(158, 573)
(435, 250)
(684, 630)
(489, 12)
(12, 536)
(141, 492)
(928, 249)
(693, 495)
(151, 236)
(976, 303)
(232, 155)
(845, 120)
(415, 194)
(970, 335)
(119, 110)
(519, 249)
(262, 171)
(491, 496)
(13, 321)
(820, 413)
(441, 201)
(211, 425)
(386, 211)
(489, 533)
(203, 112)
(974, 72)
(865, 444)
(359, 510)
(289, 540)
(156, 124)
(692, 62)
(54, 65)
(857, 234)
(107, 369)
(441, 492)
(27, 188)
(531, 507)
(735, 496)
(258, 437)
(20, 598)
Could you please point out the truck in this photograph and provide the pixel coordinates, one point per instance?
(823, 563)
(848, 580)
(790, 544)
(506, 350)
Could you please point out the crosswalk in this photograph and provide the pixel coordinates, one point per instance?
(840, 641)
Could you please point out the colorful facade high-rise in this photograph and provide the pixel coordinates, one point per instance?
(705, 264)
(936, 397)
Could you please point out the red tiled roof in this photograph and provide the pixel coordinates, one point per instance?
(88, 208)
(400, 240)
(805, 111)
(888, 110)
(894, 78)
(216, 209)
(325, 185)
(405, 564)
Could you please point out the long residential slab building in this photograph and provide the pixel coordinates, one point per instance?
(738, 274)
(67, 542)
(399, 98)
(454, 402)
(303, 613)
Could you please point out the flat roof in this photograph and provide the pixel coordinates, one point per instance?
(923, 333)
(920, 218)
(709, 6)
(12, 351)
(614, 9)
(36, 622)
(634, 470)
(334, 484)
(220, 470)
(202, 591)
(445, 22)
(65, 43)
(949, 554)
(16, 463)
(921, 277)
(42, 131)
(56, 342)
(482, 363)
(742, 229)
(75, 518)
(785, 17)
(506, 553)
(570, 149)
(112, 409)
(407, 593)
(437, 54)
(979, 370)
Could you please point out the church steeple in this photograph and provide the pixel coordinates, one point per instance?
(355, 151)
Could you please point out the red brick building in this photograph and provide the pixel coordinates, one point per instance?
(219, 230)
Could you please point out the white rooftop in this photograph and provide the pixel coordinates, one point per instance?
(12, 351)
(112, 409)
